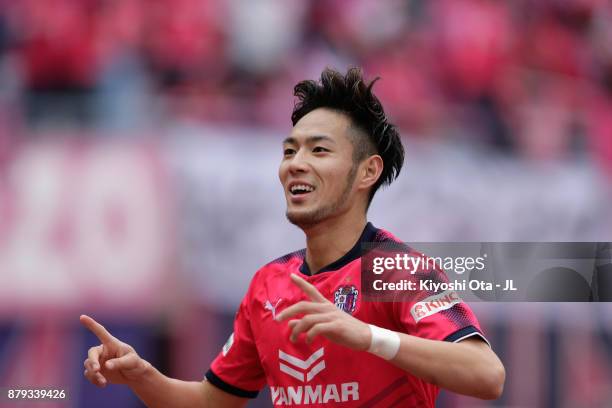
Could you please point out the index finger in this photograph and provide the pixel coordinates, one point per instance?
(96, 328)
(301, 307)
(308, 288)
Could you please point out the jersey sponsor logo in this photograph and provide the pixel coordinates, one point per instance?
(228, 345)
(315, 394)
(305, 371)
(434, 304)
(345, 298)
(268, 306)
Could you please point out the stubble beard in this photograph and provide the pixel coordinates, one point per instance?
(310, 218)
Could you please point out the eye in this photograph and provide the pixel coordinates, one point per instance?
(288, 151)
(319, 149)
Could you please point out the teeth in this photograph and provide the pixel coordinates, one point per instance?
(301, 187)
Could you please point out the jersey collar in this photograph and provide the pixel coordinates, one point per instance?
(368, 235)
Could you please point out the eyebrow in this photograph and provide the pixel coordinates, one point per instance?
(310, 139)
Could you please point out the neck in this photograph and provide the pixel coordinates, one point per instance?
(331, 239)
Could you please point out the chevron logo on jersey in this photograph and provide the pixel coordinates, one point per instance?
(307, 373)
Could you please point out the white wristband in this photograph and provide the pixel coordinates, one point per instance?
(385, 343)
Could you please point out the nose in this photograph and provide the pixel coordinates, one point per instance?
(298, 163)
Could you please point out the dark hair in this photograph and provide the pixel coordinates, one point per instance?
(351, 95)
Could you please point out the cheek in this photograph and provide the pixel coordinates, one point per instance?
(282, 172)
(340, 174)
(336, 179)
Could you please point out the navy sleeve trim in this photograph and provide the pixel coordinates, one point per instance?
(230, 389)
(462, 334)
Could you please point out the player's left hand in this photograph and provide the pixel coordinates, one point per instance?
(322, 317)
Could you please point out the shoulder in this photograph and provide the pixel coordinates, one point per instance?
(383, 235)
(386, 241)
(385, 245)
(281, 264)
(273, 276)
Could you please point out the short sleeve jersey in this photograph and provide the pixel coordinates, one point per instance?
(323, 373)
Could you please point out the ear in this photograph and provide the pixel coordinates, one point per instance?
(370, 171)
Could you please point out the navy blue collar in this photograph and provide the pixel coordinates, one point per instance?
(368, 235)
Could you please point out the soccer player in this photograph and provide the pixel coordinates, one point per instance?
(303, 327)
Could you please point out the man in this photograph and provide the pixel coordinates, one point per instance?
(302, 327)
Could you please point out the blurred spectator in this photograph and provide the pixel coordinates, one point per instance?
(528, 77)
(59, 60)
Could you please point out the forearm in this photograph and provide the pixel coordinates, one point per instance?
(158, 390)
(468, 367)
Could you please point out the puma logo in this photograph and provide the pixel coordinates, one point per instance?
(268, 306)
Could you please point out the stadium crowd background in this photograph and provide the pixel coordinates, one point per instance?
(530, 77)
(139, 141)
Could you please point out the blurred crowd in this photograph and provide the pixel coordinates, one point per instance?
(532, 78)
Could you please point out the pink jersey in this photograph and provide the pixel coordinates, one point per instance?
(323, 373)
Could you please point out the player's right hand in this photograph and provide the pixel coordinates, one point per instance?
(113, 361)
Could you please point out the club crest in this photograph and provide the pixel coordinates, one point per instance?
(345, 298)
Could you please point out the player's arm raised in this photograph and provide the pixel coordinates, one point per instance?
(116, 362)
(469, 367)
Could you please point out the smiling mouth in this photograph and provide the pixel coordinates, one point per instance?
(301, 189)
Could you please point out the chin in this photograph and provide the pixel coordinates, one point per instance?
(302, 218)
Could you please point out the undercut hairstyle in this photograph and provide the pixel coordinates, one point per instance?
(372, 133)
